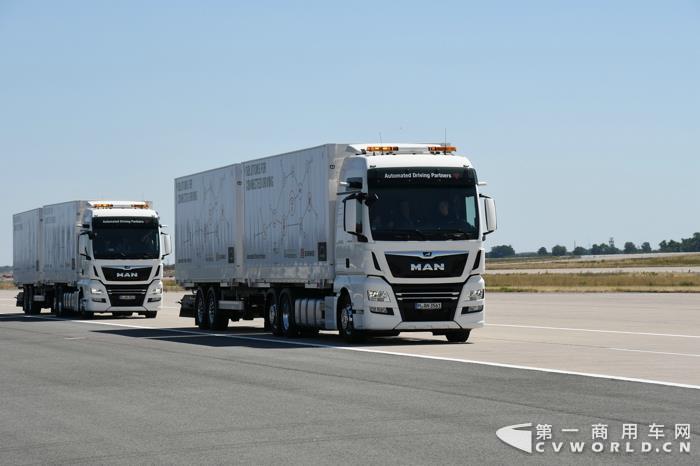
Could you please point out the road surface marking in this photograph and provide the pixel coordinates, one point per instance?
(569, 329)
(655, 352)
(392, 353)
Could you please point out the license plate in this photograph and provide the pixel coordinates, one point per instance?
(127, 297)
(428, 306)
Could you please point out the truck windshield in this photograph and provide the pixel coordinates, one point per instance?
(125, 238)
(427, 204)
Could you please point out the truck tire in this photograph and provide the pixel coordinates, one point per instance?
(458, 336)
(218, 319)
(201, 318)
(25, 299)
(272, 315)
(34, 306)
(287, 319)
(58, 302)
(345, 322)
(84, 314)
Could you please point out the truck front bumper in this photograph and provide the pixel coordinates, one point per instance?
(137, 298)
(461, 306)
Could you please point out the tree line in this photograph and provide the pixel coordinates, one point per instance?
(691, 244)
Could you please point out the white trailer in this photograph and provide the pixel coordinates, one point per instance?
(90, 256)
(27, 253)
(313, 240)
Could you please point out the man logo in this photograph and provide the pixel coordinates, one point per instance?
(127, 275)
(427, 267)
(520, 439)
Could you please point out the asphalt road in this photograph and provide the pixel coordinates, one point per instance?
(125, 391)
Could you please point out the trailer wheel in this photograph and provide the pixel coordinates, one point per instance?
(25, 299)
(272, 315)
(458, 336)
(34, 306)
(345, 322)
(218, 320)
(58, 298)
(286, 306)
(201, 316)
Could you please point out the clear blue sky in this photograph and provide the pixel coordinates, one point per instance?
(584, 117)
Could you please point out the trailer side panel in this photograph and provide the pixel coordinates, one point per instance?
(26, 236)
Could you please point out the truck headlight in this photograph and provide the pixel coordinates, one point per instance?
(476, 294)
(95, 290)
(158, 289)
(377, 295)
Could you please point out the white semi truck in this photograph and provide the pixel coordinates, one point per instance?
(89, 257)
(360, 238)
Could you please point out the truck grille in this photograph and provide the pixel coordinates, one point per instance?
(126, 295)
(426, 267)
(409, 296)
(130, 274)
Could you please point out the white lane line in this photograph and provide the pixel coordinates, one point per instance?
(655, 352)
(392, 353)
(568, 329)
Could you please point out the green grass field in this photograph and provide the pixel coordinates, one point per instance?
(659, 282)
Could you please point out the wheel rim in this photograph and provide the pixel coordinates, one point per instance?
(201, 310)
(345, 319)
(272, 315)
(212, 310)
(285, 315)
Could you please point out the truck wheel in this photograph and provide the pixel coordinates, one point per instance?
(218, 320)
(458, 336)
(201, 316)
(289, 325)
(84, 314)
(34, 306)
(272, 314)
(26, 296)
(60, 311)
(345, 322)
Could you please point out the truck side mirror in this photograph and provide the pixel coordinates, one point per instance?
(167, 245)
(489, 215)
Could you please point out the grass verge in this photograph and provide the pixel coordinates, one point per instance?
(651, 282)
(684, 260)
